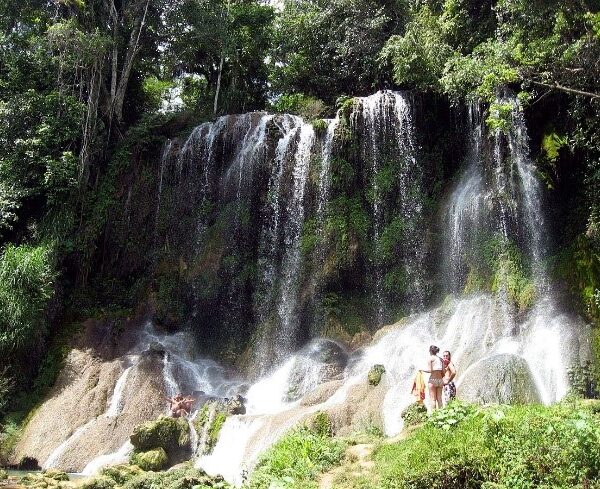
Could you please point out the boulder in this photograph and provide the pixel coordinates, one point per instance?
(155, 459)
(502, 379)
(321, 361)
(170, 434)
(375, 373)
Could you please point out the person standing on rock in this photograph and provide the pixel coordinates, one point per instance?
(449, 389)
(436, 378)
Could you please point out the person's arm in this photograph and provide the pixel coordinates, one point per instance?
(452, 371)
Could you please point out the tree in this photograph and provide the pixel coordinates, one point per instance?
(329, 48)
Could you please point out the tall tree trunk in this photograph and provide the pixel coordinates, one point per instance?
(218, 83)
(132, 49)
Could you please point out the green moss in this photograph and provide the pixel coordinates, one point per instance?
(164, 432)
(346, 106)
(3, 475)
(185, 477)
(320, 126)
(215, 428)
(309, 238)
(100, 482)
(155, 459)
(121, 473)
(579, 266)
(203, 418)
(510, 276)
(375, 373)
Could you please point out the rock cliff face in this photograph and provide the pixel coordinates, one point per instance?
(89, 412)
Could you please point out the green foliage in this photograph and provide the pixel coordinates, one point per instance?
(299, 104)
(414, 414)
(418, 57)
(3, 475)
(452, 414)
(155, 459)
(320, 423)
(551, 145)
(500, 446)
(26, 285)
(10, 434)
(500, 117)
(579, 266)
(375, 374)
(325, 49)
(585, 380)
(154, 91)
(296, 459)
(235, 36)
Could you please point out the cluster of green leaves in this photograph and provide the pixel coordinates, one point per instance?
(462, 48)
(296, 459)
(414, 414)
(26, 285)
(327, 48)
(454, 413)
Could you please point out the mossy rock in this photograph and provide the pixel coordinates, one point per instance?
(121, 473)
(374, 376)
(186, 477)
(150, 460)
(49, 478)
(171, 434)
(507, 380)
(100, 482)
(57, 475)
(3, 475)
(211, 419)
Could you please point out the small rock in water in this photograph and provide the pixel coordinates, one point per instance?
(375, 374)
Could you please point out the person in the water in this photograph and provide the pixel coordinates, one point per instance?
(436, 378)
(449, 389)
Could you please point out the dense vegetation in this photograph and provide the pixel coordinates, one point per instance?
(84, 88)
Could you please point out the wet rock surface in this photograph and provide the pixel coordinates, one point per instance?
(503, 379)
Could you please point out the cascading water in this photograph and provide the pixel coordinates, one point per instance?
(384, 123)
(263, 164)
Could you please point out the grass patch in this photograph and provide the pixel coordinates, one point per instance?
(500, 447)
(295, 461)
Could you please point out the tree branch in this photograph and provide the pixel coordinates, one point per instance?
(557, 86)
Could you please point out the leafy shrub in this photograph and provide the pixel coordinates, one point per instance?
(300, 104)
(26, 286)
(451, 415)
(413, 414)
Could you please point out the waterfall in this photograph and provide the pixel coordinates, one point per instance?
(265, 166)
(384, 123)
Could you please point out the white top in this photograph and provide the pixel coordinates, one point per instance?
(436, 363)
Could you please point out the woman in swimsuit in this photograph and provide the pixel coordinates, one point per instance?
(436, 378)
